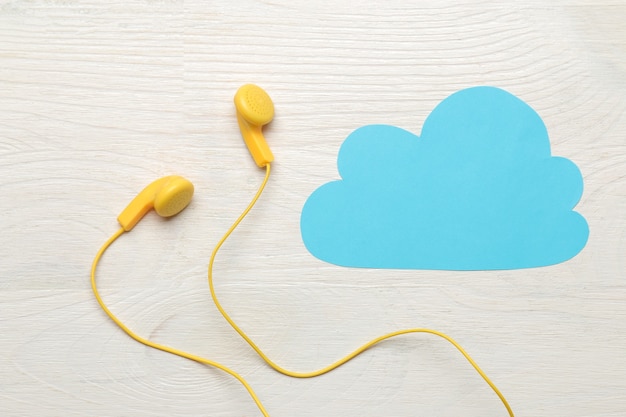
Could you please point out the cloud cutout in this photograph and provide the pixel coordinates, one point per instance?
(478, 190)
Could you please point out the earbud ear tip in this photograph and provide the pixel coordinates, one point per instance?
(174, 197)
(254, 104)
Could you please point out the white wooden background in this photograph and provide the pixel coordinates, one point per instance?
(97, 99)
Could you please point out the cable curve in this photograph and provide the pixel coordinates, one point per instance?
(152, 344)
(348, 357)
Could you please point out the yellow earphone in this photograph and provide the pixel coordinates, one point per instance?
(254, 109)
(170, 195)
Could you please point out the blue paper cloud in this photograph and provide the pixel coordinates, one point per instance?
(478, 190)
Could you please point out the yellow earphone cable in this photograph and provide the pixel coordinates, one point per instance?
(346, 358)
(156, 345)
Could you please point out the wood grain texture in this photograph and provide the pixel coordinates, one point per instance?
(97, 99)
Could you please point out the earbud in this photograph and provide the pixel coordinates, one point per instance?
(168, 196)
(254, 109)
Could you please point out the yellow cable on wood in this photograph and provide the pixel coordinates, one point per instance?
(156, 345)
(346, 358)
